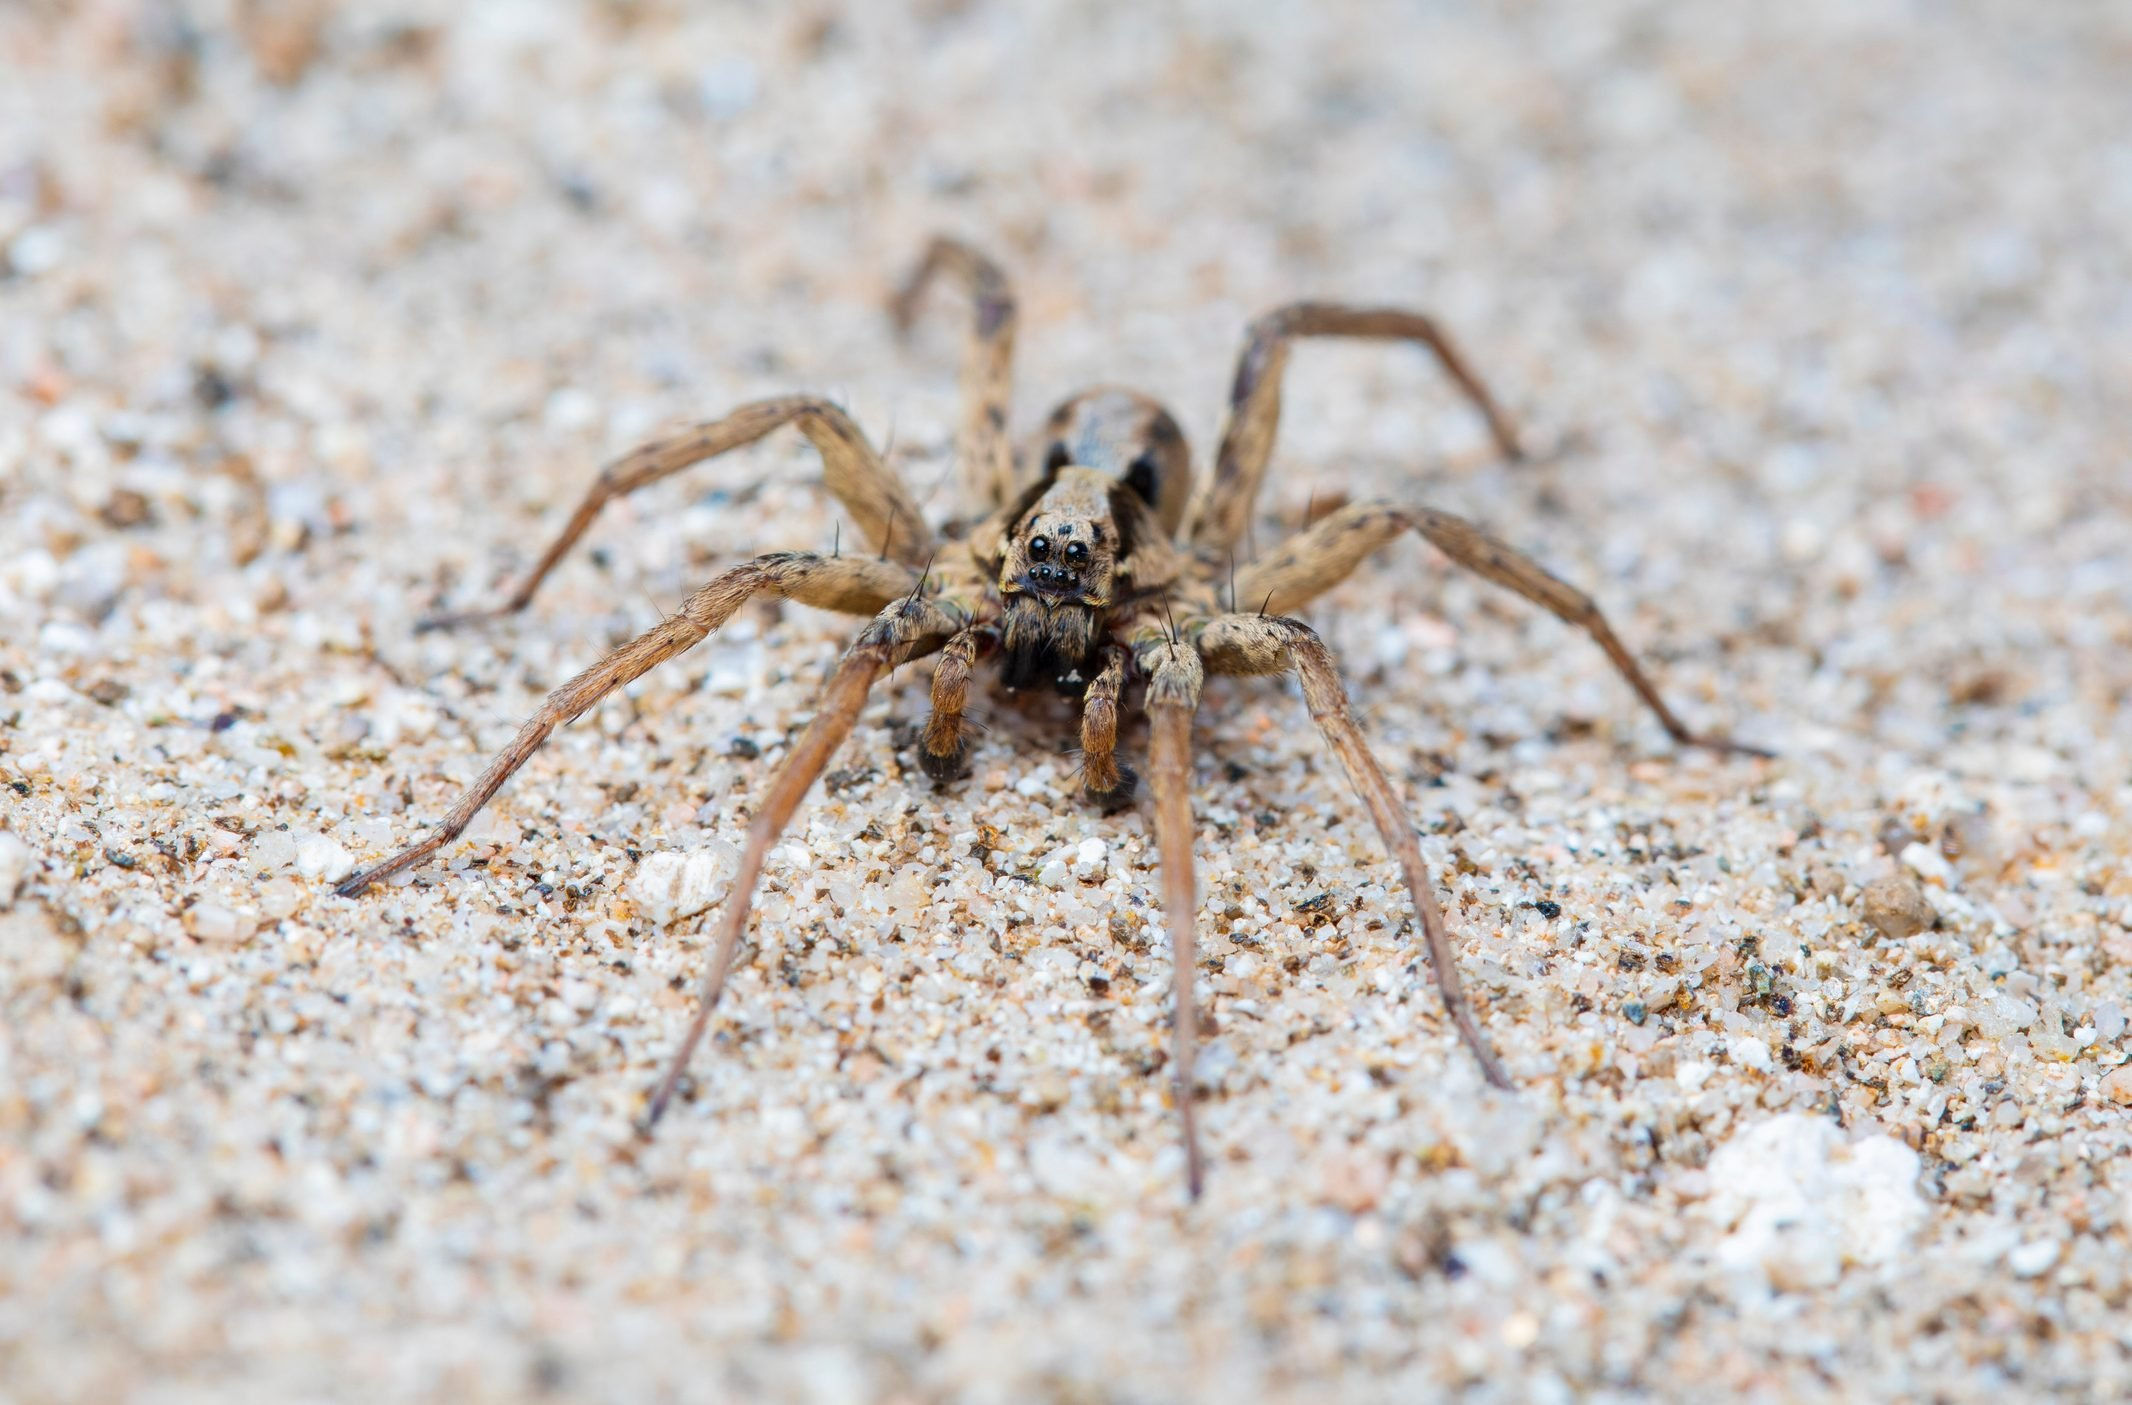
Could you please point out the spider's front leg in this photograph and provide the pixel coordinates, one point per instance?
(880, 506)
(857, 585)
(1319, 558)
(1255, 402)
(1259, 644)
(1176, 677)
(910, 627)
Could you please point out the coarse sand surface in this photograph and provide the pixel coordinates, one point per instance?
(1818, 319)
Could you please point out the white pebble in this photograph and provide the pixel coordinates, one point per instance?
(2001, 1015)
(2033, 1258)
(320, 857)
(1054, 874)
(211, 922)
(36, 250)
(670, 886)
(1800, 1204)
(1929, 864)
(2109, 1022)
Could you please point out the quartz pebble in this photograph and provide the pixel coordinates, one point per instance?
(670, 886)
(1896, 907)
(318, 856)
(212, 922)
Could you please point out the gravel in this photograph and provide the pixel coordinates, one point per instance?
(314, 320)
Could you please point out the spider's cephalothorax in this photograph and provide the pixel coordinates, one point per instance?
(1060, 570)
(1092, 568)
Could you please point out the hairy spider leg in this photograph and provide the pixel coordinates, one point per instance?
(1255, 402)
(1320, 557)
(907, 628)
(855, 585)
(854, 473)
(982, 444)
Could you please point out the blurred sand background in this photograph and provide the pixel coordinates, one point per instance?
(313, 318)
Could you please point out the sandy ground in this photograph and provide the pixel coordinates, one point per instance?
(1821, 315)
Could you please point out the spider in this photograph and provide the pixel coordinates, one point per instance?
(1095, 571)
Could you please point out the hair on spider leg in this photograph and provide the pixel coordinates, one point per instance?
(888, 535)
(1167, 614)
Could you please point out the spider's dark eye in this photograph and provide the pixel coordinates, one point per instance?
(1040, 547)
(1076, 552)
(1057, 457)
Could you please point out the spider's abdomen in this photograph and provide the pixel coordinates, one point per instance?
(1130, 438)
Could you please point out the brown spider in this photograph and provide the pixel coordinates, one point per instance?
(1095, 571)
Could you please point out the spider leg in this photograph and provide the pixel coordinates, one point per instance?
(987, 367)
(1255, 401)
(1320, 557)
(870, 491)
(1104, 779)
(858, 585)
(944, 750)
(1175, 677)
(909, 627)
(1269, 644)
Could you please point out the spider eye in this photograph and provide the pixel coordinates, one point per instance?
(1040, 547)
(1076, 552)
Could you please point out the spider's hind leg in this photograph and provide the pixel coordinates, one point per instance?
(982, 444)
(1255, 402)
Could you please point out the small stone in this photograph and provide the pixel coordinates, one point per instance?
(2117, 1085)
(2109, 1021)
(670, 886)
(281, 897)
(1896, 908)
(1054, 874)
(320, 857)
(2032, 1259)
(211, 922)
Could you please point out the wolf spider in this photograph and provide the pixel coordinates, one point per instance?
(1094, 571)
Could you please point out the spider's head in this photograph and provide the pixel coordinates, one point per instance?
(1058, 574)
